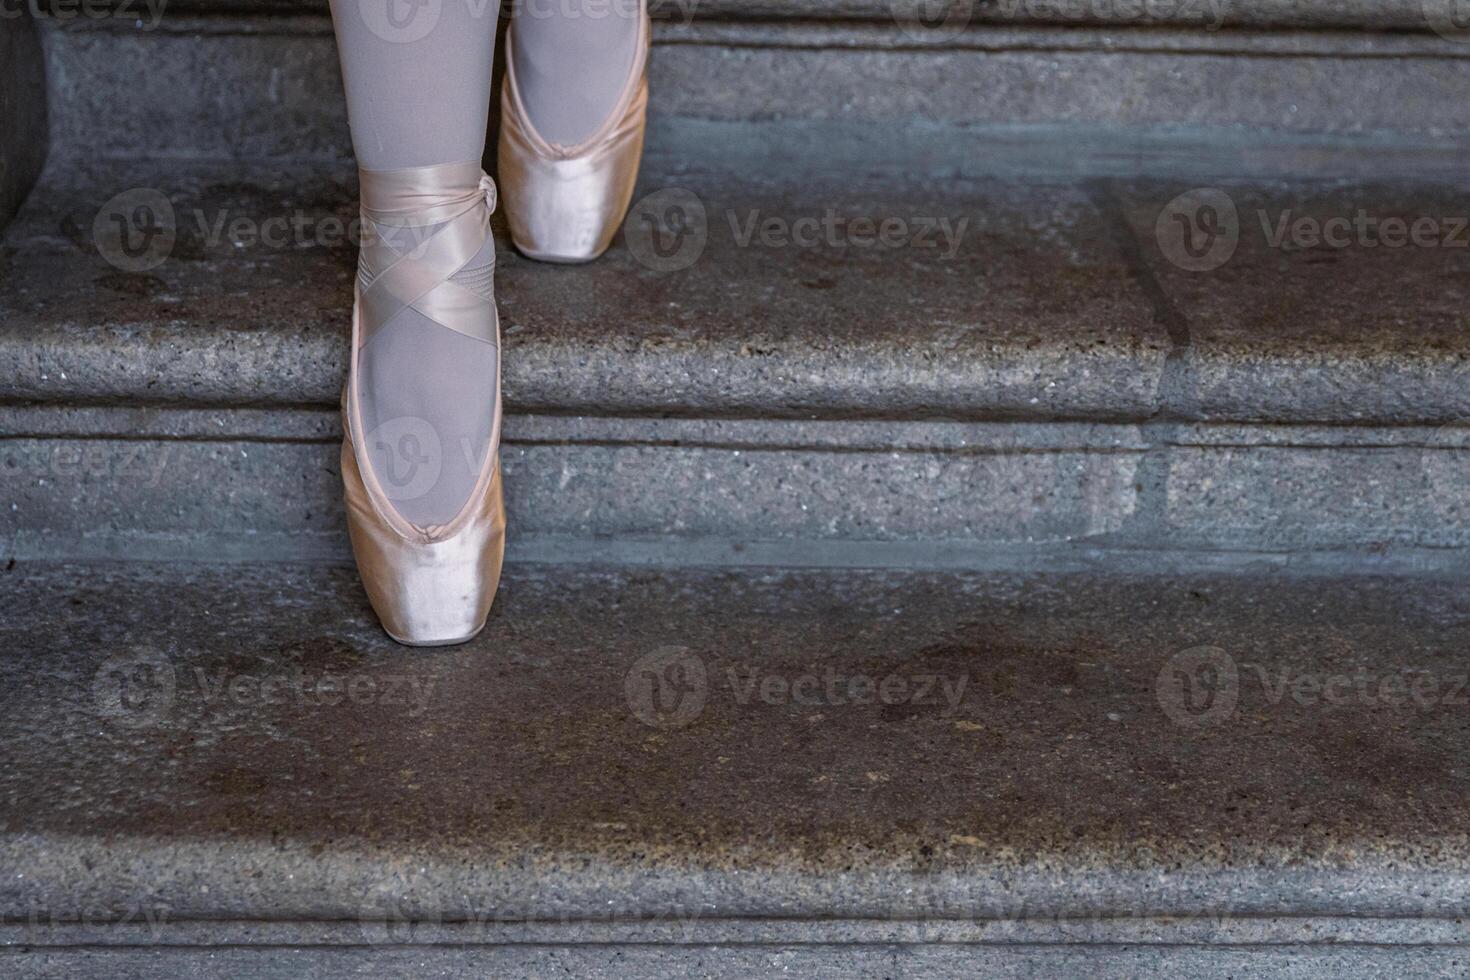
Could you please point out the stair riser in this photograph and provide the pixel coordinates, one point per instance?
(1299, 962)
(196, 87)
(978, 489)
(930, 17)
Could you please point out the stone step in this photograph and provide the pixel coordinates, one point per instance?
(267, 86)
(1057, 387)
(799, 296)
(900, 772)
(914, 16)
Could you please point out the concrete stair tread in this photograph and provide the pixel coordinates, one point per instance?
(175, 742)
(940, 22)
(1057, 302)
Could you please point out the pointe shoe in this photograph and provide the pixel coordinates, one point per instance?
(429, 585)
(565, 203)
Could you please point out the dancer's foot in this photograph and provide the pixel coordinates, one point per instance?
(422, 405)
(571, 134)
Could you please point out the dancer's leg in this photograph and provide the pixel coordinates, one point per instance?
(572, 58)
(417, 74)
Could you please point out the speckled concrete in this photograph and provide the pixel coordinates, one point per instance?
(1026, 306)
(243, 743)
(818, 389)
(1057, 302)
(197, 88)
(1395, 15)
(740, 962)
(105, 483)
(1311, 319)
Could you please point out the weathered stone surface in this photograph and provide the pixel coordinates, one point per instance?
(23, 135)
(993, 298)
(197, 88)
(941, 20)
(118, 483)
(1056, 302)
(735, 962)
(1313, 292)
(621, 479)
(242, 742)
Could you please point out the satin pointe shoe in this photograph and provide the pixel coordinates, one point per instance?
(565, 203)
(430, 585)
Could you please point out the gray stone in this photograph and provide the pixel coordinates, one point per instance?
(1280, 308)
(1387, 15)
(241, 743)
(601, 478)
(738, 962)
(197, 89)
(1025, 307)
(23, 135)
(116, 483)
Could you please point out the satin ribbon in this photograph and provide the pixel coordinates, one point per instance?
(457, 197)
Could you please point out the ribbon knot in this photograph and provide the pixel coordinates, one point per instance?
(452, 205)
